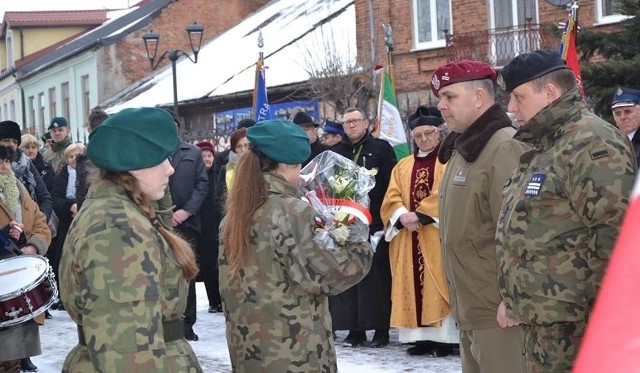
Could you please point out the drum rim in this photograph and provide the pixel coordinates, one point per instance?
(33, 284)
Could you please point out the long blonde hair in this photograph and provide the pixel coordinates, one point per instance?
(248, 193)
(181, 249)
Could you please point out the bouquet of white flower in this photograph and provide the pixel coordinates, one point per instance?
(338, 190)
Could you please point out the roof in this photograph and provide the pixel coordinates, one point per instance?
(298, 36)
(110, 32)
(56, 18)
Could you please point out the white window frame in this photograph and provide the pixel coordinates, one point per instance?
(434, 27)
(514, 19)
(602, 19)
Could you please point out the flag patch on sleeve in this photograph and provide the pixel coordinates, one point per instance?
(534, 185)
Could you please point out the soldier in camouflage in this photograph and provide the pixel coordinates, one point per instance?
(124, 276)
(274, 279)
(562, 208)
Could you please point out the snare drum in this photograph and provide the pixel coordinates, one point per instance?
(27, 288)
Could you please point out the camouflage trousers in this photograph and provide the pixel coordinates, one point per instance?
(552, 348)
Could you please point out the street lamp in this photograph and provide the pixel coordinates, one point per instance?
(151, 43)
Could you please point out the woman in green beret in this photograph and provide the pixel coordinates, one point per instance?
(274, 279)
(124, 277)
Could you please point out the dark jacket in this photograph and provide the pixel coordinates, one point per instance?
(221, 160)
(37, 188)
(189, 184)
(316, 148)
(208, 240)
(636, 146)
(83, 166)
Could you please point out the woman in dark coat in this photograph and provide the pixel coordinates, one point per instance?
(64, 205)
(208, 239)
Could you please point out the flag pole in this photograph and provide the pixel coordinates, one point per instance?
(259, 65)
(388, 41)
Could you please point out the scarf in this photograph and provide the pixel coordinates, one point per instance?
(10, 195)
(22, 169)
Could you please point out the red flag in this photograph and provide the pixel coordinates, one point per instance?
(612, 340)
(569, 52)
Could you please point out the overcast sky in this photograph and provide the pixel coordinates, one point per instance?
(21, 5)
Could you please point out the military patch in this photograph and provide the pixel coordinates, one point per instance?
(534, 185)
(460, 176)
(500, 82)
(435, 82)
(599, 152)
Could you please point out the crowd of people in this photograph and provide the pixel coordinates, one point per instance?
(492, 237)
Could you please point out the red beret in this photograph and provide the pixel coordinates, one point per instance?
(206, 145)
(460, 71)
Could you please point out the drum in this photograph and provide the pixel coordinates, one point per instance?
(27, 288)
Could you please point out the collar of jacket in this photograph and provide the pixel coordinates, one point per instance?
(278, 185)
(354, 144)
(548, 125)
(62, 145)
(470, 143)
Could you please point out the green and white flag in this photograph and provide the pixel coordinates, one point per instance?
(390, 126)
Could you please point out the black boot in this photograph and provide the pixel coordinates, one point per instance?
(190, 335)
(27, 366)
(354, 339)
(380, 338)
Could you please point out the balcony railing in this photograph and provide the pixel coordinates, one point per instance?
(500, 45)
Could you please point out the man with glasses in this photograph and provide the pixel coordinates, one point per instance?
(480, 154)
(626, 112)
(367, 306)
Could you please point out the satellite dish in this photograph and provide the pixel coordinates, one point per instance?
(559, 3)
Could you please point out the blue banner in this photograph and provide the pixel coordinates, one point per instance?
(261, 108)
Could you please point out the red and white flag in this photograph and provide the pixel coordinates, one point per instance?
(612, 340)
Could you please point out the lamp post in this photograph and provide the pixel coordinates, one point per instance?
(151, 43)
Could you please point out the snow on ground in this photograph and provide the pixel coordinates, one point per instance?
(59, 336)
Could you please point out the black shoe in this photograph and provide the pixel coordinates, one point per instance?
(354, 339)
(431, 349)
(47, 315)
(27, 366)
(334, 335)
(60, 306)
(189, 335)
(215, 309)
(380, 339)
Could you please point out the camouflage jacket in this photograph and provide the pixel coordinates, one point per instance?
(276, 309)
(561, 213)
(55, 155)
(119, 280)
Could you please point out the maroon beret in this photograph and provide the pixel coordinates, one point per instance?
(206, 145)
(460, 71)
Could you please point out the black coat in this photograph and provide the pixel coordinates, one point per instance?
(189, 184)
(636, 146)
(61, 206)
(316, 148)
(208, 239)
(41, 191)
(367, 306)
(83, 165)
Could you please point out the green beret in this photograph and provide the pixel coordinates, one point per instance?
(281, 140)
(133, 139)
(58, 122)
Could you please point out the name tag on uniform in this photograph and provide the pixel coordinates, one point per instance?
(535, 184)
(460, 176)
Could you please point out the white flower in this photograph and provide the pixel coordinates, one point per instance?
(340, 234)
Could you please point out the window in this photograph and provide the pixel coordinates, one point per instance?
(85, 99)
(64, 88)
(509, 36)
(430, 19)
(52, 102)
(9, 41)
(43, 127)
(12, 110)
(608, 11)
(32, 112)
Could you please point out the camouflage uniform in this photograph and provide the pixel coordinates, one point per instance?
(55, 155)
(276, 308)
(559, 220)
(122, 284)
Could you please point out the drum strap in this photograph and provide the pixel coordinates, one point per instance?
(173, 331)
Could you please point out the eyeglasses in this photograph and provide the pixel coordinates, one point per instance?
(353, 121)
(423, 135)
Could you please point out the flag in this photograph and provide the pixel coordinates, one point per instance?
(611, 341)
(389, 126)
(569, 52)
(261, 108)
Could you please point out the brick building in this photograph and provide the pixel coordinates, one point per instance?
(428, 33)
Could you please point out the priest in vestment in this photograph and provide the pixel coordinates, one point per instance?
(419, 294)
